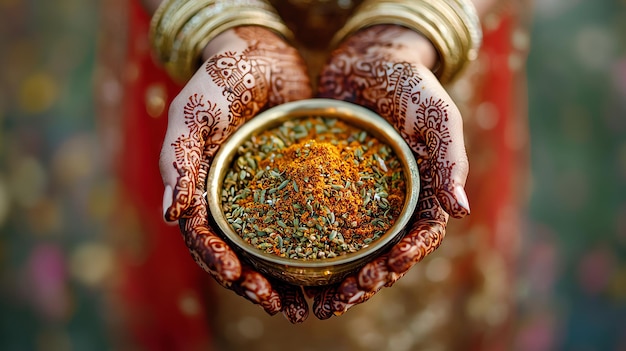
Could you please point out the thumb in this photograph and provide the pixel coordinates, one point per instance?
(449, 164)
(439, 124)
(181, 156)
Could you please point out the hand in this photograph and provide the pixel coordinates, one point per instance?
(387, 69)
(247, 69)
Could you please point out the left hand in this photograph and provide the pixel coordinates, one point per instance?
(246, 69)
(387, 68)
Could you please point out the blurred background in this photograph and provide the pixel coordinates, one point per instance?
(55, 193)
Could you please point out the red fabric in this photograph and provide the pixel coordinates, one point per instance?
(495, 190)
(162, 281)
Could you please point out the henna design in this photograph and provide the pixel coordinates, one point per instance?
(201, 119)
(322, 300)
(365, 70)
(428, 206)
(394, 277)
(244, 87)
(349, 290)
(288, 80)
(295, 307)
(192, 154)
(208, 249)
(213, 255)
(257, 289)
(264, 73)
(374, 275)
(223, 279)
(252, 285)
(431, 129)
(350, 294)
(267, 73)
(423, 238)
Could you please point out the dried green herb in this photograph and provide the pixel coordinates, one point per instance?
(313, 188)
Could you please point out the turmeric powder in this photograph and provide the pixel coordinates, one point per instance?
(313, 188)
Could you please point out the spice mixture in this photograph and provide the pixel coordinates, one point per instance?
(313, 188)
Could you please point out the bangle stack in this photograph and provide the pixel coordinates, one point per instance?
(452, 26)
(180, 29)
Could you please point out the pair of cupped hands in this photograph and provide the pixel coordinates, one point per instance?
(385, 68)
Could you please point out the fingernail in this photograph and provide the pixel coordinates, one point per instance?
(461, 198)
(252, 296)
(338, 312)
(168, 196)
(356, 297)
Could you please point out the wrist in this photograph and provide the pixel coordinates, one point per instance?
(180, 30)
(418, 45)
(452, 26)
(222, 42)
(407, 44)
(230, 41)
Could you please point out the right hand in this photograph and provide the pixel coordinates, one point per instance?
(386, 68)
(247, 69)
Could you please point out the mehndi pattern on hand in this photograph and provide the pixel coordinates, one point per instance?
(375, 68)
(372, 69)
(232, 87)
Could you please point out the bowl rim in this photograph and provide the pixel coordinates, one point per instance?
(353, 114)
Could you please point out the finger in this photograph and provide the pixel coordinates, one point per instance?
(183, 161)
(326, 304)
(439, 124)
(393, 278)
(322, 301)
(449, 183)
(177, 196)
(348, 295)
(336, 300)
(349, 290)
(256, 288)
(373, 275)
(294, 305)
(424, 233)
(213, 254)
(423, 238)
(210, 251)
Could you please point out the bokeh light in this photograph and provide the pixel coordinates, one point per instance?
(56, 192)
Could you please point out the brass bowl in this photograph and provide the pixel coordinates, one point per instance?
(320, 271)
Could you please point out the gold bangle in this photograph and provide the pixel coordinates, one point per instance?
(180, 29)
(452, 26)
